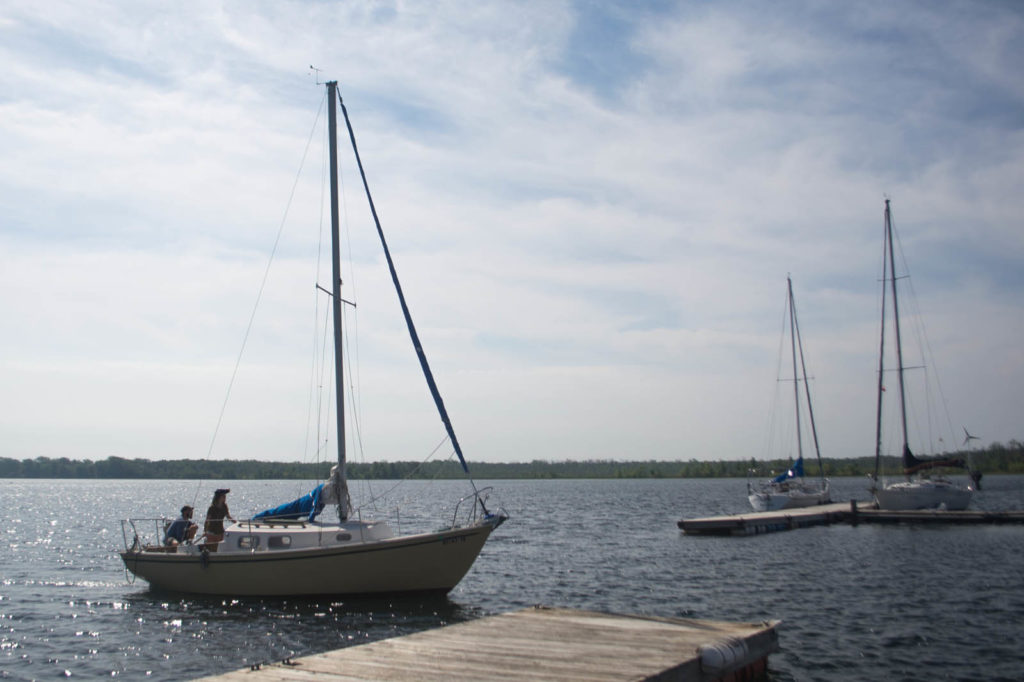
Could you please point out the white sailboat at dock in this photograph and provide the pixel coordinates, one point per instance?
(920, 489)
(790, 489)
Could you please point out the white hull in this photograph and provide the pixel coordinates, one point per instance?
(427, 562)
(923, 494)
(774, 500)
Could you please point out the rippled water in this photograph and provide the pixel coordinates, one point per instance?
(872, 602)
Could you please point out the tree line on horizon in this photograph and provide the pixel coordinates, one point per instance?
(995, 459)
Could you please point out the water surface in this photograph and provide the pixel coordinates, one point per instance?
(871, 602)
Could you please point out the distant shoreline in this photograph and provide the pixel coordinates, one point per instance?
(996, 459)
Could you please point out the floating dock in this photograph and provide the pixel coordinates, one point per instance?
(871, 515)
(822, 515)
(542, 643)
(770, 521)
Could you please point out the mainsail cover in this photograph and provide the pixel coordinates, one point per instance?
(309, 505)
(796, 472)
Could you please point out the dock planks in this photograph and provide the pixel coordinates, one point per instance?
(549, 644)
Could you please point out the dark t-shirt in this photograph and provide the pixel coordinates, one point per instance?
(215, 519)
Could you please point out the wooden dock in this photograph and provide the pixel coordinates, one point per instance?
(542, 643)
(769, 522)
(825, 514)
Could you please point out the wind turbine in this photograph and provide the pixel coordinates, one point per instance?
(968, 437)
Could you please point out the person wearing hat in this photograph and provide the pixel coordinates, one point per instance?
(215, 515)
(182, 529)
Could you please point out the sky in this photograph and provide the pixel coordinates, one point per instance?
(593, 208)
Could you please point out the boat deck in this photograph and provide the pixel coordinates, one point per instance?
(853, 513)
(542, 643)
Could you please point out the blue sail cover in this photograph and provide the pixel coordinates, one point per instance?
(309, 504)
(796, 472)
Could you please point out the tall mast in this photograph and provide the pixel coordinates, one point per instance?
(339, 365)
(796, 381)
(896, 320)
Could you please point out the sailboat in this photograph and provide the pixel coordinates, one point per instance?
(289, 550)
(919, 489)
(791, 489)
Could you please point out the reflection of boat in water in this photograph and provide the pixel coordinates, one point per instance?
(920, 489)
(791, 489)
(289, 550)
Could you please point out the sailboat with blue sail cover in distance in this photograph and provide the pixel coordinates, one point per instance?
(289, 550)
(920, 489)
(790, 489)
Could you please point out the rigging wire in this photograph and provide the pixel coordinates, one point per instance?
(316, 377)
(424, 365)
(259, 295)
(927, 363)
(407, 477)
(351, 339)
(776, 432)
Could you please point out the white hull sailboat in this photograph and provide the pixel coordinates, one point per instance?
(935, 492)
(791, 490)
(789, 499)
(919, 489)
(288, 550)
(791, 495)
(264, 559)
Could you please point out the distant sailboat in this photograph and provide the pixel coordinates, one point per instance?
(790, 489)
(919, 489)
(288, 550)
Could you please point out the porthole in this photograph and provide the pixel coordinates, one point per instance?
(343, 537)
(248, 542)
(279, 542)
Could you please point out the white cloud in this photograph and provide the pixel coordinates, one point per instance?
(594, 251)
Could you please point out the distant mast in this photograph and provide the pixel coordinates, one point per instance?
(807, 386)
(896, 322)
(881, 350)
(889, 281)
(796, 379)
